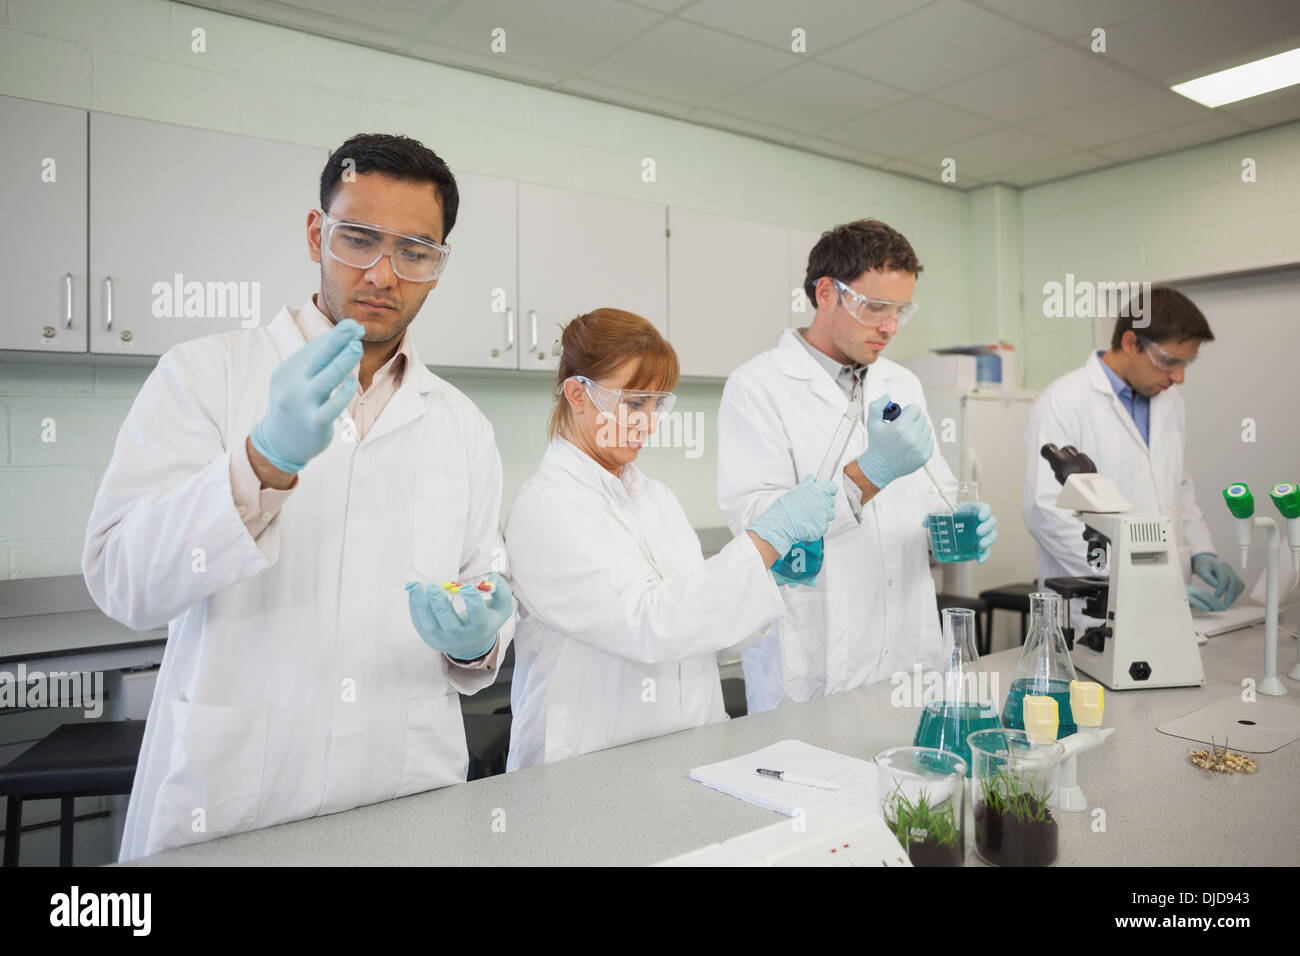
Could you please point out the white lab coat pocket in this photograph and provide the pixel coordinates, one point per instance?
(438, 525)
(213, 785)
(436, 753)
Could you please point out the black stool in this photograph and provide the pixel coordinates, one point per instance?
(94, 759)
(487, 736)
(974, 604)
(1008, 597)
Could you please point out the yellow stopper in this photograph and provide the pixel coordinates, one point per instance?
(1086, 702)
(451, 586)
(1041, 719)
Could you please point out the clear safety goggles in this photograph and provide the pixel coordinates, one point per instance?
(1162, 359)
(624, 404)
(871, 311)
(362, 244)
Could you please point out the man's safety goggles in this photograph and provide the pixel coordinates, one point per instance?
(1162, 359)
(623, 403)
(871, 311)
(361, 244)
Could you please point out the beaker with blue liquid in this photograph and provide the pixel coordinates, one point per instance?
(1045, 668)
(802, 563)
(966, 702)
(952, 517)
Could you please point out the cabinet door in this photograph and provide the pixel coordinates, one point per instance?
(43, 242)
(799, 311)
(727, 294)
(194, 232)
(580, 251)
(470, 317)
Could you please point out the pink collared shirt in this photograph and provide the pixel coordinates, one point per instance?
(259, 506)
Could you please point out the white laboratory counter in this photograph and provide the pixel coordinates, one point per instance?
(635, 805)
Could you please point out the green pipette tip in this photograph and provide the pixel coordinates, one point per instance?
(1240, 501)
(1286, 495)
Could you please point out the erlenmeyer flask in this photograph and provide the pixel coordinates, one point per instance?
(966, 704)
(1045, 668)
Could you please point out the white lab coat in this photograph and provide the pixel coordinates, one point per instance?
(295, 685)
(874, 612)
(1082, 409)
(621, 615)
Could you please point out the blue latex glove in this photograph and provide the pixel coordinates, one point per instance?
(444, 630)
(303, 403)
(984, 515)
(801, 514)
(1203, 599)
(1218, 574)
(895, 448)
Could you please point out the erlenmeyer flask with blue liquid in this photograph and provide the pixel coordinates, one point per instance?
(803, 562)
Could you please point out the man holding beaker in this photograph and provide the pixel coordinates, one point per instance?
(871, 611)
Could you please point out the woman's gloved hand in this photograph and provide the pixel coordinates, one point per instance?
(895, 448)
(801, 514)
(1203, 599)
(464, 639)
(300, 412)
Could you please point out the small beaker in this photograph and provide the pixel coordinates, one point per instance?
(953, 521)
(923, 802)
(1013, 783)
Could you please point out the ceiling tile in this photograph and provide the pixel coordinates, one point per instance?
(496, 65)
(561, 36)
(909, 127)
(1113, 118)
(1206, 130)
(810, 97)
(937, 45)
(617, 95)
(986, 155)
(403, 17)
(1051, 80)
(827, 23)
(1188, 38)
(689, 63)
(831, 148)
(299, 18)
(742, 125)
(1070, 20)
(1068, 165)
(1280, 106)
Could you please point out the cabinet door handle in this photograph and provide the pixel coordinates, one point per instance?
(510, 329)
(108, 303)
(532, 324)
(67, 301)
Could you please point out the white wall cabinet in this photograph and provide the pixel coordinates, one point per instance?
(581, 251)
(471, 317)
(728, 298)
(43, 242)
(219, 216)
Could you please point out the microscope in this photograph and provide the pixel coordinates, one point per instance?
(1146, 638)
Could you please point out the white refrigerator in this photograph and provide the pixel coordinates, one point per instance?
(981, 434)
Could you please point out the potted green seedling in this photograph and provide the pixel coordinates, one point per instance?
(930, 834)
(1014, 825)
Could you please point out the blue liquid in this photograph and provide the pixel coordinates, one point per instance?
(946, 726)
(954, 537)
(1013, 711)
(802, 562)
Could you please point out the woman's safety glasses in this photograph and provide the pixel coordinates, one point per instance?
(873, 312)
(360, 245)
(626, 405)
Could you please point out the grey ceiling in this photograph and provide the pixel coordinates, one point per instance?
(1010, 88)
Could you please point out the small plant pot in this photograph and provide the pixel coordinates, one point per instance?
(923, 802)
(1013, 783)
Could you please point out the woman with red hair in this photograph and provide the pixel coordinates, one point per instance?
(621, 615)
